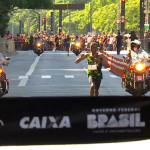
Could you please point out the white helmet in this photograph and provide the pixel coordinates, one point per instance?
(137, 42)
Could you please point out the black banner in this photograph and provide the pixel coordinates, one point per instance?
(67, 120)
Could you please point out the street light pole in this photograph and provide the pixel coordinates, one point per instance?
(28, 22)
(91, 15)
(54, 28)
(21, 20)
(69, 21)
(12, 30)
(118, 15)
(147, 11)
(141, 19)
(41, 20)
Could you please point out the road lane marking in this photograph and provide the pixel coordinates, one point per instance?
(57, 53)
(85, 69)
(113, 76)
(69, 76)
(61, 69)
(32, 68)
(14, 79)
(26, 96)
(46, 77)
(107, 69)
(23, 77)
(23, 82)
(53, 86)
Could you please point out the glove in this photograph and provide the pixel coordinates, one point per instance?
(7, 63)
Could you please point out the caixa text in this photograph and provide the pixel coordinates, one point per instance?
(114, 121)
(45, 122)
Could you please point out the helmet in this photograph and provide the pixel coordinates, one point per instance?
(137, 42)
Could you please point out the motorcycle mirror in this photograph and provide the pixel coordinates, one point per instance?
(7, 58)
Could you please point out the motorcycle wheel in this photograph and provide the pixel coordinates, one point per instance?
(39, 53)
(139, 90)
(7, 88)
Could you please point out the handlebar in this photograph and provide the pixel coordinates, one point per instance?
(3, 64)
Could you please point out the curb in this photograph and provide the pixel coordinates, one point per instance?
(9, 53)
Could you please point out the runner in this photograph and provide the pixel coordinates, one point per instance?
(94, 62)
(67, 44)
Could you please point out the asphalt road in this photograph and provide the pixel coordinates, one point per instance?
(55, 74)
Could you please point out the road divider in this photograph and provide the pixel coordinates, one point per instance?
(7, 47)
(115, 64)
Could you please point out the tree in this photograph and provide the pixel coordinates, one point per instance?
(104, 17)
(7, 7)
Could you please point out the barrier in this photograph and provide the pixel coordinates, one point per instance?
(7, 47)
(115, 64)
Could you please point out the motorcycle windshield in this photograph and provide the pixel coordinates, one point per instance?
(134, 61)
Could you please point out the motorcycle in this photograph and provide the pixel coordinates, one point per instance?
(136, 77)
(4, 82)
(38, 49)
(77, 48)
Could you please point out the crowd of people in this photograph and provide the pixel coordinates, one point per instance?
(52, 42)
(25, 42)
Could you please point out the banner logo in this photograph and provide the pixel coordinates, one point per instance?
(45, 122)
(115, 120)
(118, 121)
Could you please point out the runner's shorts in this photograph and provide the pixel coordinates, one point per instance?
(96, 83)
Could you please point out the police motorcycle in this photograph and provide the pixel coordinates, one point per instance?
(39, 48)
(77, 47)
(136, 78)
(4, 82)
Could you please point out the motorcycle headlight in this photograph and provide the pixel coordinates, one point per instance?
(139, 67)
(38, 44)
(77, 44)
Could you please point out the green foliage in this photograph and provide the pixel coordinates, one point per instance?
(8, 6)
(104, 17)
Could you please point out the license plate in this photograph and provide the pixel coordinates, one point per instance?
(139, 78)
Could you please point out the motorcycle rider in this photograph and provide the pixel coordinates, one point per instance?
(39, 40)
(77, 39)
(136, 53)
(3, 60)
(72, 47)
(94, 73)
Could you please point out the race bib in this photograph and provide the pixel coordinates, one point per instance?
(92, 67)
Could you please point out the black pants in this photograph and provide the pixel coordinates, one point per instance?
(118, 49)
(31, 46)
(96, 83)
